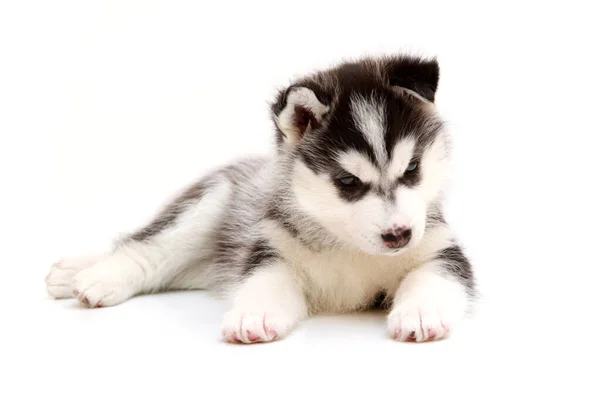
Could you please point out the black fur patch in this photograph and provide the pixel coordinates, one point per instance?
(457, 265)
(418, 75)
(411, 178)
(275, 213)
(260, 253)
(170, 213)
(353, 193)
(434, 217)
(380, 302)
(235, 174)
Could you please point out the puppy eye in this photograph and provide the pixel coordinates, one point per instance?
(348, 182)
(412, 166)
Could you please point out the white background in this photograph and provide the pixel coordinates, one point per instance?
(107, 107)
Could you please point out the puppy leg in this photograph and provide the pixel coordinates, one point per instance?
(147, 260)
(266, 307)
(430, 301)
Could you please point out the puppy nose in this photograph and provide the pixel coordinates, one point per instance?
(396, 238)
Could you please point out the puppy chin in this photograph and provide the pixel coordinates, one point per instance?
(365, 247)
(394, 252)
(378, 250)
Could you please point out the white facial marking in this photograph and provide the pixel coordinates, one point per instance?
(302, 97)
(359, 165)
(369, 117)
(410, 212)
(401, 157)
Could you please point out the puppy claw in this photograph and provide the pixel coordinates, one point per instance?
(254, 327)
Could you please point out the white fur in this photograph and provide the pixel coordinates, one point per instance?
(401, 156)
(59, 280)
(267, 305)
(412, 202)
(369, 117)
(358, 224)
(428, 304)
(359, 165)
(411, 212)
(343, 279)
(110, 281)
(434, 167)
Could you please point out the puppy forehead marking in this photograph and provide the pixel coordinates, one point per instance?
(368, 115)
(402, 154)
(359, 165)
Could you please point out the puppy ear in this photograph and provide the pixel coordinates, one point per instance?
(296, 112)
(418, 75)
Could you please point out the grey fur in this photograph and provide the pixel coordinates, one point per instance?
(168, 216)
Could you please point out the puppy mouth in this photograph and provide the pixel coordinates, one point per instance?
(380, 250)
(393, 252)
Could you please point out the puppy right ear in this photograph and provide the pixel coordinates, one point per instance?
(415, 76)
(296, 112)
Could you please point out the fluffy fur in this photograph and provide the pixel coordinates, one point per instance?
(345, 215)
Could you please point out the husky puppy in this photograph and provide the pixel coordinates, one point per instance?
(344, 216)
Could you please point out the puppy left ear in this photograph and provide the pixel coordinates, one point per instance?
(296, 112)
(418, 75)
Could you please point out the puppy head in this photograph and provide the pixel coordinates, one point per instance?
(366, 150)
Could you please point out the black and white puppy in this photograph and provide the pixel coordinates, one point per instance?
(345, 214)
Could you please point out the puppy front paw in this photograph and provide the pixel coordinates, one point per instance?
(245, 326)
(422, 316)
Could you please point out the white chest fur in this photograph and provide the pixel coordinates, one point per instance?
(339, 280)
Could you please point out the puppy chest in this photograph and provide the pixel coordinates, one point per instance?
(335, 283)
